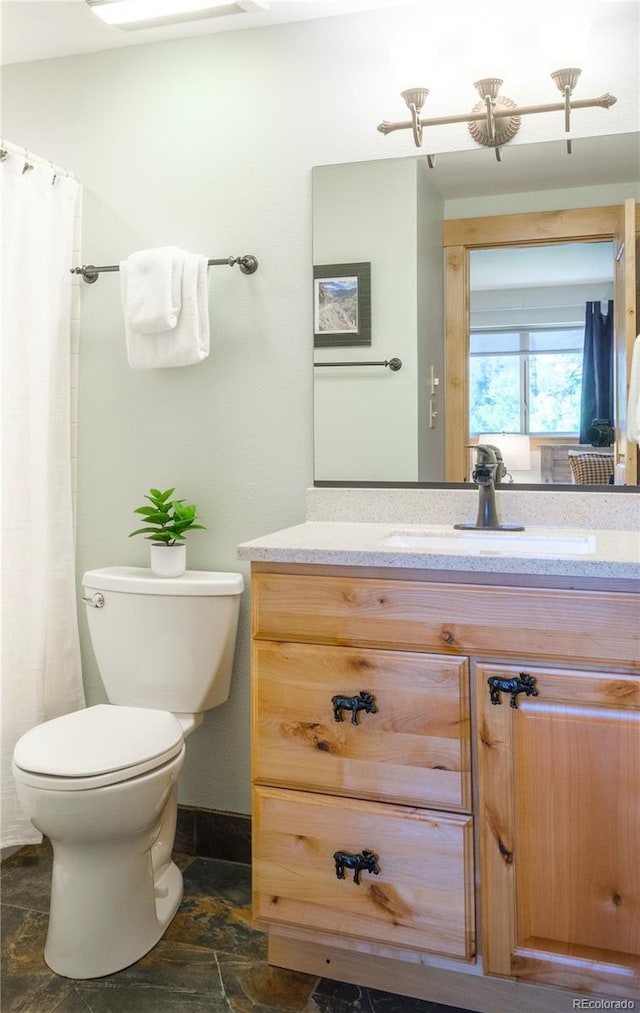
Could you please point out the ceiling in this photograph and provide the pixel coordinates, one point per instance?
(546, 266)
(40, 29)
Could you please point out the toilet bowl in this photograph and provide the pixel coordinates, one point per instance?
(101, 783)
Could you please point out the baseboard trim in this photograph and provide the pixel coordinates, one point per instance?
(211, 833)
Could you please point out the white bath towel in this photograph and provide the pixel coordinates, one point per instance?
(151, 283)
(633, 406)
(188, 342)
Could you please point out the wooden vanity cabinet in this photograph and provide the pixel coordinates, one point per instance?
(427, 770)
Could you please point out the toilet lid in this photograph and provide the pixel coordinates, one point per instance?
(99, 740)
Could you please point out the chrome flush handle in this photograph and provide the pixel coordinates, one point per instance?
(96, 601)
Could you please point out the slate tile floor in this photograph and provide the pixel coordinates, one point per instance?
(211, 960)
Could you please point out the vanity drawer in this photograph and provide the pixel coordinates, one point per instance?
(421, 899)
(413, 748)
(573, 626)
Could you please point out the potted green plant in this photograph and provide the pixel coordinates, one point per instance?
(167, 522)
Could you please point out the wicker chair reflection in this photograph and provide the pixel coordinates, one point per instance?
(588, 467)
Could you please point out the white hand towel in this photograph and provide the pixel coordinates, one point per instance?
(633, 406)
(152, 281)
(188, 342)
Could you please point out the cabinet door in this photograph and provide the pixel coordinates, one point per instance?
(560, 826)
(421, 896)
(408, 741)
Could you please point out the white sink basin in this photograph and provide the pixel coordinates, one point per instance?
(493, 543)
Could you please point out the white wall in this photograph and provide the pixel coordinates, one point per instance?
(208, 143)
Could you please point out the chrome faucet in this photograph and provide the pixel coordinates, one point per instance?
(489, 470)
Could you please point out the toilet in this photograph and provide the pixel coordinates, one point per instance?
(101, 783)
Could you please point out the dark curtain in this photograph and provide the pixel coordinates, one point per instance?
(597, 368)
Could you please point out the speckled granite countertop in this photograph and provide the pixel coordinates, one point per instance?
(616, 555)
(347, 527)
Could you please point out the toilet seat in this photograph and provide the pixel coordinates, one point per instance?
(101, 745)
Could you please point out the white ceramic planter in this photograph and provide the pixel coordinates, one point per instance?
(168, 560)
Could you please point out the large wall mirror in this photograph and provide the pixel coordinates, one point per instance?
(475, 308)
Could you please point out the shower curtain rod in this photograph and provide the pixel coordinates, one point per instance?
(7, 147)
(248, 265)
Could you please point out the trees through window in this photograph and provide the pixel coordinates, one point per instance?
(526, 380)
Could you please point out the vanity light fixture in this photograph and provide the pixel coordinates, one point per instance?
(495, 120)
(133, 14)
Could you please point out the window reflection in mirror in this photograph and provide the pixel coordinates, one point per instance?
(526, 345)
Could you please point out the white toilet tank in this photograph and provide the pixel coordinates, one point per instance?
(163, 643)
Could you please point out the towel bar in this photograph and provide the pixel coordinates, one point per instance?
(393, 364)
(248, 265)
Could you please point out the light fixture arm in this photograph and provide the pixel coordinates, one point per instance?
(603, 101)
(417, 126)
(566, 81)
(567, 110)
(491, 123)
(485, 120)
(414, 98)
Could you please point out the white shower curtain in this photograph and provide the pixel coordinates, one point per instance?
(41, 675)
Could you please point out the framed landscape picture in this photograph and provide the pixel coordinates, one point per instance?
(341, 305)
